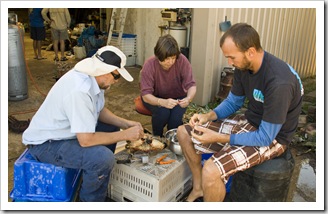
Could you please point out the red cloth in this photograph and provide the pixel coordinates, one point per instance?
(140, 108)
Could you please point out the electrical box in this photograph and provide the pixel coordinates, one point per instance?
(170, 16)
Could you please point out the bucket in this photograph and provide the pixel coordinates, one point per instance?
(224, 26)
(180, 34)
(226, 82)
(79, 52)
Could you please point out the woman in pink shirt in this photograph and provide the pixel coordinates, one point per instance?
(167, 85)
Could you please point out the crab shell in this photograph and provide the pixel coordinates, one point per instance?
(146, 144)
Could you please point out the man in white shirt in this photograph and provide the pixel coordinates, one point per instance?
(74, 129)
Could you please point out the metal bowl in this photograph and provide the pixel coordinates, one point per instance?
(172, 141)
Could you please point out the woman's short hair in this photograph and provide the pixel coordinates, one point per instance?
(166, 46)
(244, 36)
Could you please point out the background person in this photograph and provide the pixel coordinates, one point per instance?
(274, 91)
(38, 31)
(74, 129)
(167, 85)
(59, 20)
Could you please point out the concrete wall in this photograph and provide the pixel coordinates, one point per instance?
(204, 53)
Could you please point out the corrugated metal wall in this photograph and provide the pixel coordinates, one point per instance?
(288, 33)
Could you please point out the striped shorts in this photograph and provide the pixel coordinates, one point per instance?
(232, 159)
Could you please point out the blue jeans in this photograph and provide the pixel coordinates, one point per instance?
(96, 162)
(162, 116)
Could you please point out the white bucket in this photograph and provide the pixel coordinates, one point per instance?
(79, 52)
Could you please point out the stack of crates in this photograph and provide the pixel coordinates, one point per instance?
(139, 182)
(128, 46)
(42, 182)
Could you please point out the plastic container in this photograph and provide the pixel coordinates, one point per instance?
(130, 61)
(35, 181)
(149, 182)
(128, 46)
(120, 194)
(79, 52)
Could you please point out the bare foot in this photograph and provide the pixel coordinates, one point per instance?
(194, 195)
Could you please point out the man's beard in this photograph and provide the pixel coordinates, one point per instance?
(246, 65)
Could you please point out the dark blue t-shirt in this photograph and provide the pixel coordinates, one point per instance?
(36, 19)
(274, 94)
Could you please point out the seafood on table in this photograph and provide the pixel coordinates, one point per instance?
(148, 143)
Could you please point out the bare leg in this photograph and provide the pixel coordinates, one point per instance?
(213, 185)
(55, 43)
(35, 49)
(194, 162)
(62, 48)
(38, 45)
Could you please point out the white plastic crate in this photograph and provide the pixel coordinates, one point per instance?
(126, 49)
(121, 195)
(130, 60)
(139, 182)
(127, 45)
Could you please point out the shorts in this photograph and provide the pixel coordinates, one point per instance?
(59, 34)
(232, 159)
(38, 33)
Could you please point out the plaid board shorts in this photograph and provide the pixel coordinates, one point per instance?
(232, 159)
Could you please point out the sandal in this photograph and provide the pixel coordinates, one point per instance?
(63, 59)
(56, 59)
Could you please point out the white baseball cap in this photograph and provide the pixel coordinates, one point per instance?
(106, 60)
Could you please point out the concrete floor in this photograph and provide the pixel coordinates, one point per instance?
(41, 77)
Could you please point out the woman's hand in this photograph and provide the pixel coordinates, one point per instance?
(184, 102)
(168, 103)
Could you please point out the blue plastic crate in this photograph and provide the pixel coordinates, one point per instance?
(205, 157)
(36, 181)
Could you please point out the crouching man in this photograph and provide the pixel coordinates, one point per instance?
(74, 129)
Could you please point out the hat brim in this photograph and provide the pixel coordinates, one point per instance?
(125, 74)
(94, 67)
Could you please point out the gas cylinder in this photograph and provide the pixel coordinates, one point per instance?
(17, 80)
